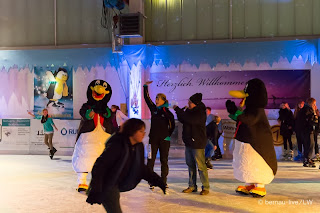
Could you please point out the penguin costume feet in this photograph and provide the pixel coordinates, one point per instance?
(82, 188)
(258, 192)
(244, 190)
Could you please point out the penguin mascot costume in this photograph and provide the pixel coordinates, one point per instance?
(254, 157)
(94, 130)
(58, 87)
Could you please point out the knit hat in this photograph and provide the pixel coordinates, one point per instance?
(196, 98)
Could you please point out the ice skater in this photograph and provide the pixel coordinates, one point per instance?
(48, 125)
(119, 118)
(121, 167)
(162, 126)
(286, 120)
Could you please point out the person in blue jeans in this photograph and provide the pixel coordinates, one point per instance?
(48, 125)
(212, 134)
(195, 139)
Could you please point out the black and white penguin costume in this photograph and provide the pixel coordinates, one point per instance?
(254, 157)
(58, 87)
(93, 131)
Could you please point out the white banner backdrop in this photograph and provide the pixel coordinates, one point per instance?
(63, 140)
(25, 136)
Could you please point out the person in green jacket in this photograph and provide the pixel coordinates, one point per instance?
(48, 125)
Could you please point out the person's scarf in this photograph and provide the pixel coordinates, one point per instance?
(44, 119)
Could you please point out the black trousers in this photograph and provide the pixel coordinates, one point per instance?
(111, 201)
(307, 145)
(316, 146)
(285, 141)
(217, 152)
(299, 141)
(163, 147)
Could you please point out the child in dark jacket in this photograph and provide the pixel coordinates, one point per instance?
(121, 167)
(162, 126)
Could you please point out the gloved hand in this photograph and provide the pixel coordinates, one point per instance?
(162, 186)
(156, 180)
(94, 197)
(233, 110)
(231, 107)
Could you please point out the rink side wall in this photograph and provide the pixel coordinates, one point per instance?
(16, 97)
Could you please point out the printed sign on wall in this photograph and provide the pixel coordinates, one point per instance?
(53, 90)
(282, 85)
(15, 134)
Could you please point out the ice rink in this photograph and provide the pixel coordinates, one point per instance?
(34, 183)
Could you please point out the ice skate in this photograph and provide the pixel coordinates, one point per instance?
(208, 164)
(60, 104)
(244, 190)
(316, 158)
(52, 152)
(285, 155)
(258, 192)
(309, 163)
(290, 155)
(216, 157)
(55, 105)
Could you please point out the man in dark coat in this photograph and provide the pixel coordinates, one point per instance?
(195, 139)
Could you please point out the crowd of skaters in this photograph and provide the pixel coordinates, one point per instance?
(201, 132)
(304, 123)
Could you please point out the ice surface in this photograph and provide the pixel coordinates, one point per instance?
(34, 183)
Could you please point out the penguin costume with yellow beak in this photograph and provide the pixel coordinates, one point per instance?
(254, 157)
(94, 130)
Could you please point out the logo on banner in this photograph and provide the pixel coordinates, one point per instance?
(65, 131)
